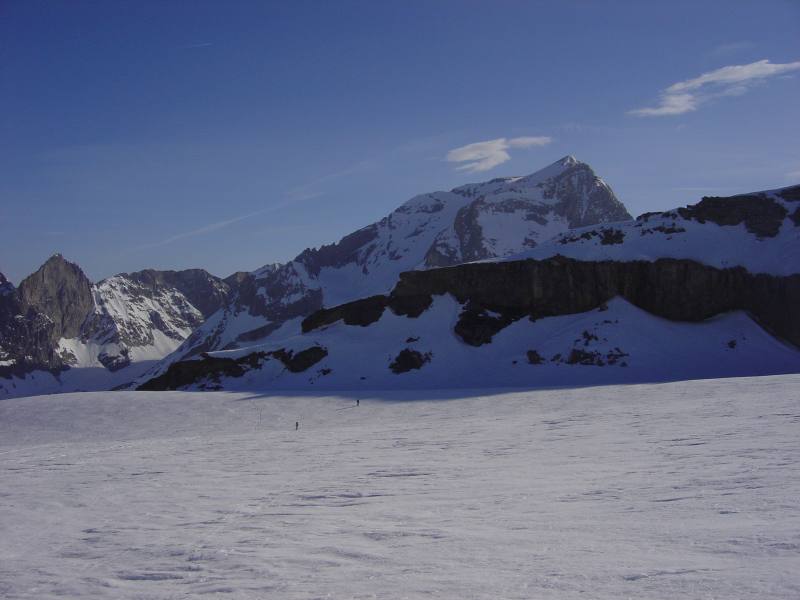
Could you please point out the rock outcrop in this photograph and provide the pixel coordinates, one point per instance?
(494, 295)
(681, 290)
(25, 334)
(208, 370)
(408, 360)
(761, 215)
(60, 290)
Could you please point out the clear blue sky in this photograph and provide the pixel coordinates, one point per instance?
(226, 135)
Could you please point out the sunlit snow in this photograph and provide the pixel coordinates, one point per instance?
(679, 490)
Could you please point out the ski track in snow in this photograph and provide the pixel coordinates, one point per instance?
(677, 490)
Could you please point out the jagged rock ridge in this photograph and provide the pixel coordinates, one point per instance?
(58, 319)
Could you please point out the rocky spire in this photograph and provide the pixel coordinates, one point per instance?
(60, 290)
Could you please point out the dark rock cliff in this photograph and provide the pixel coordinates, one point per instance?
(760, 215)
(25, 335)
(496, 294)
(207, 370)
(681, 290)
(61, 291)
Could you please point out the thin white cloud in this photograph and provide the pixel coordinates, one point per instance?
(793, 175)
(292, 196)
(295, 198)
(733, 80)
(201, 230)
(307, 189)
(482, 156)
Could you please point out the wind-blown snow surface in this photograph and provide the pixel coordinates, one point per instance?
(680, 490)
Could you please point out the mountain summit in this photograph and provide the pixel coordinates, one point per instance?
(522, 212)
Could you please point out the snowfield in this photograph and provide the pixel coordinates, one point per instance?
(677, 490)
(648, 349)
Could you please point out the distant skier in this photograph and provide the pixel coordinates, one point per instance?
(358, 401)
(296, 425)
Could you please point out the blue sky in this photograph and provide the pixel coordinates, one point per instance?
(226, 135)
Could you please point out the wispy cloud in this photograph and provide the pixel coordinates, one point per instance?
(733, 80)
(211, 227)
(201, 230)
(293, 196)
(307, 189)
(794, 175)
(482, 156)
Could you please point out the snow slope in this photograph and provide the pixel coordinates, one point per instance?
(617, 343)
(679, 490)
(679, 234)
(130, 324)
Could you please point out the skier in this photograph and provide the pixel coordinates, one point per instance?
(358, 401)
(296, 425)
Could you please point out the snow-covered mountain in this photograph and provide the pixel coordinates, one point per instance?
(759, 231)
(145, 315)
(487, 220)
(707, 290)
(59, 331)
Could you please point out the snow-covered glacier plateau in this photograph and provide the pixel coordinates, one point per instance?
(675, 490)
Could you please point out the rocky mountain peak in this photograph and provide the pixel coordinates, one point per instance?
(265, 270)
(567, 165)
(60, 290)
(57, 261)
(6, 287)
(522, 212)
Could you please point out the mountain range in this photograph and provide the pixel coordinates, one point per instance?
(537, 280)
(58, 330)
